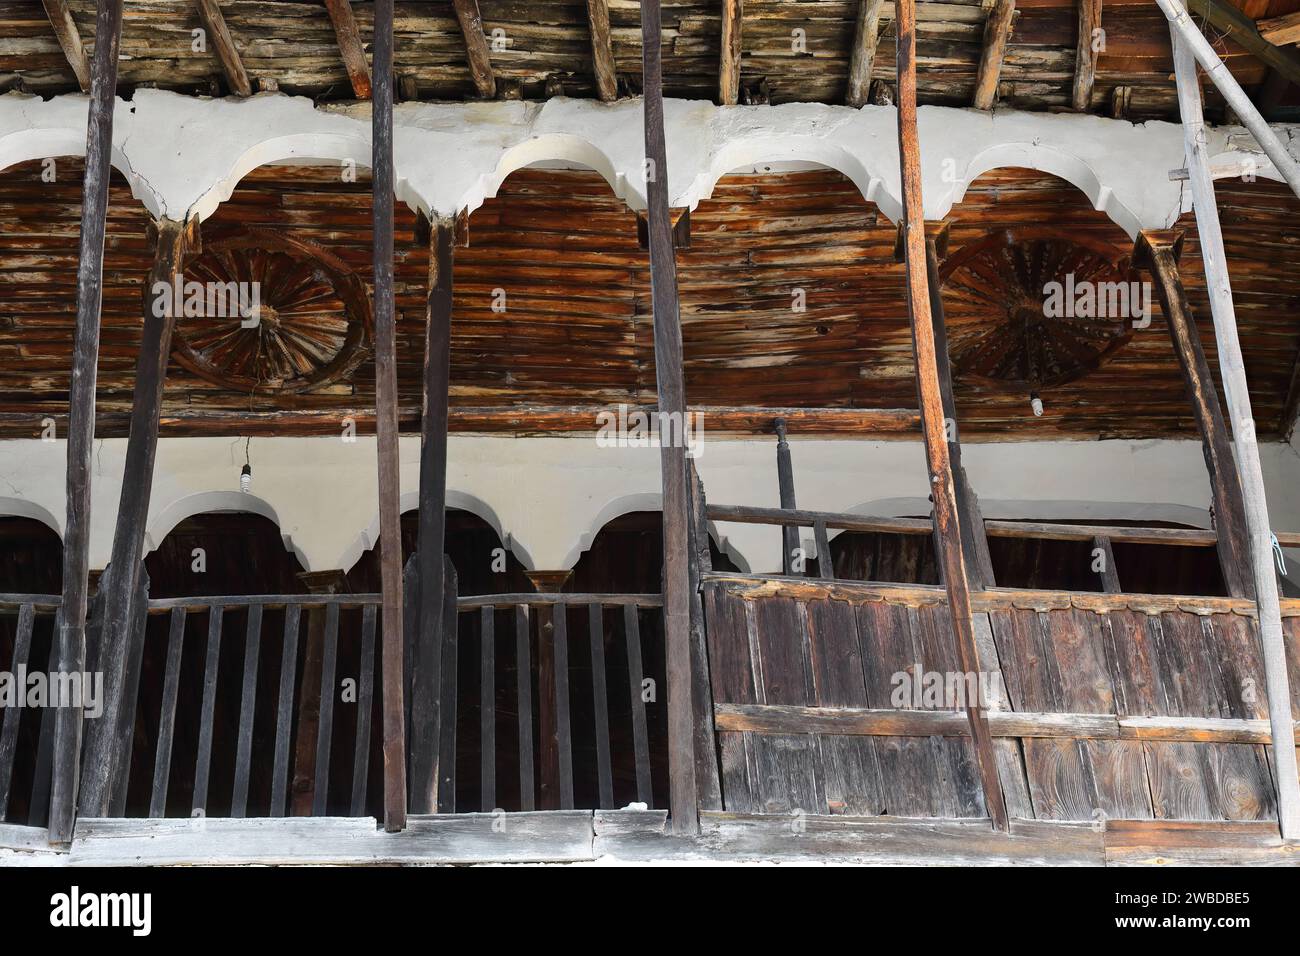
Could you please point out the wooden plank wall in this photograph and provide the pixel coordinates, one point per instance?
(832, 653)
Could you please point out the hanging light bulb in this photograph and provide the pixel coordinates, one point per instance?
(245, 478)
(1036, 404)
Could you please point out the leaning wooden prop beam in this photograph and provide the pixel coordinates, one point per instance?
(104, 771)
(390, 518)
(1233, 373)
(1183, 29)
(81, 412)
(683, 794)
(951, 558)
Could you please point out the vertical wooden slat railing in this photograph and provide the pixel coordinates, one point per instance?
(487, 709)
(563, 724)
(524, 699)
(247, 704)
(325, 729)
(284, 711)
(600, 703)
(12, 715)
(635, 680)
(203, 766)
(365, 700)
(167, 715)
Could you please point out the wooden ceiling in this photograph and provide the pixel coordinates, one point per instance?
(785, 51)
(559, 252)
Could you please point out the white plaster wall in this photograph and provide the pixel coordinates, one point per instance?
(184, 155)
(551, 495)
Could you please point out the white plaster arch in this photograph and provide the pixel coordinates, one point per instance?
(1049, 159)
(642, 501)
(163, 521)
(23, 508)
(550, 148)
(758, 150)
(456, 500)
(23, 146)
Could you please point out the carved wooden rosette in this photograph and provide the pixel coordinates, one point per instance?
(313, 325)
(1030, 310)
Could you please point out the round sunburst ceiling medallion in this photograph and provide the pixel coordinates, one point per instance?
(263, 312)
(1035, 311)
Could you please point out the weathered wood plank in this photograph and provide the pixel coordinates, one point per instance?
(604, 776)
(729, 58)
(602, 49)
(392, 655)
(640, 736)
(866, 35)
(69, 37)
(487, 710)
(1086, 50)
(207, 713)
(12, 715)
(476, 47)
(524, 696)
(563, 726)
(325, 729)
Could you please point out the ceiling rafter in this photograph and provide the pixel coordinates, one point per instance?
(865, 37)
(351, 48)
(476, 47)
(729, 61)
(69, 37)
(224, 44)
(997, 33)
(602, 49)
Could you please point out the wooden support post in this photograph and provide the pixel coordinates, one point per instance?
(69, 37)
(602, 50)
(997, 33)
(351, 49)
(81, 413)
(951, 557)
(684, 796)
(1233, 373)
(1159, 251)
(390, 511)
(548, 756)
(426, 679)
(785, 488)
(866, 35)
(224, 45)
(1085, 58)
(476, 47)
(1108, 573)
(104, 770)
(1185, 31)
(729, 58)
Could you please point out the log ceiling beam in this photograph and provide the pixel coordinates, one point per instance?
(476, 47)
(351, 48)
(69, 37)
(997, 33)
(1229, 23)
(729, 60)
(231, 63)
(602, 50)
(866, 36)
(1280, 30)
(1085, 60)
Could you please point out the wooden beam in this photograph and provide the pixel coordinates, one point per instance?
(390, 510)
(1279, 30)
(1230, 23)
(951, 558)
(1158, 251)
(997, 33)
(1240, 28)
(729, 58)
(426, 679)
(1233, 373)
(548, 583)
(69, 37)
(865, 37)
(683, 791)
(476, 47)
(351, 48)
(81, 413)
(602, 50)
(104, 769)
(1085, 59)
(224, 43)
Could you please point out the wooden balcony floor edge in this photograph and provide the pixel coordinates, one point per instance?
(630, 836)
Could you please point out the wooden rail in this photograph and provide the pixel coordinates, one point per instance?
(605, 615)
